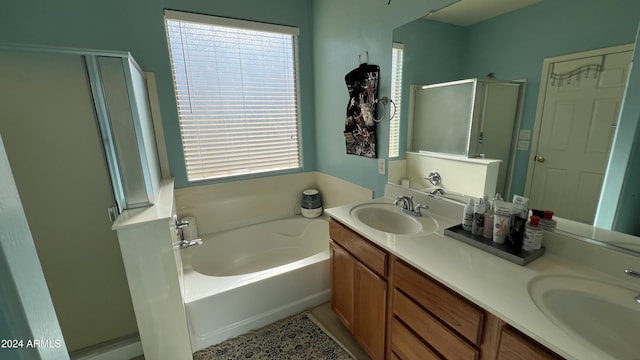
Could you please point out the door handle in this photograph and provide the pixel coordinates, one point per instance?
(540, 158)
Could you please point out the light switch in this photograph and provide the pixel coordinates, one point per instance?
(523, 145)
(381, 167)
(524, 135)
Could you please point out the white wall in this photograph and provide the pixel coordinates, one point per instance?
(474, 177)
(228, 205)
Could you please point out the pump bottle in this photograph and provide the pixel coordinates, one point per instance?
(467, 216)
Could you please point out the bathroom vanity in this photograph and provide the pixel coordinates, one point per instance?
(423, 318)
(422, 295)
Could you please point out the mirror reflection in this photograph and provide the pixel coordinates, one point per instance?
(474, 118)
(587, 46)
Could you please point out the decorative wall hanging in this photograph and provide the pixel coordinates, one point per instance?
(576, 73)
(359, 127)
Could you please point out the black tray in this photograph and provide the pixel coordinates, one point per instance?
(505, 251)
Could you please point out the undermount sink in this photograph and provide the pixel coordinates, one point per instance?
(388, 218)
(605, 315)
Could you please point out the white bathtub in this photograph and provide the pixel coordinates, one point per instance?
(243, 279)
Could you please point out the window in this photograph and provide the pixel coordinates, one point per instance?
(237, 95)
(396, 96)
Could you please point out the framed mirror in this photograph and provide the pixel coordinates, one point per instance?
(513, 45)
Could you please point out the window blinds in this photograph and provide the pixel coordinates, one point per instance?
(396, 96)
(236, 90)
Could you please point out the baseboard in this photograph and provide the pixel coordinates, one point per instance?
(125, 349)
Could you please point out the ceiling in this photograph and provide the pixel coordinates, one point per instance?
(469, 12)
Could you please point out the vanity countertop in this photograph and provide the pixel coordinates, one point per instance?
(497, 285)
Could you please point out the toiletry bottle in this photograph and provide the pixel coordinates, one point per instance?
(478, 218)
(547, 222)
(467, 216)
(487, 231)
(501, 221)
(518, 226)
(532, 235)
(519, 213)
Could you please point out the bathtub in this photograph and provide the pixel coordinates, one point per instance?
(245, 278)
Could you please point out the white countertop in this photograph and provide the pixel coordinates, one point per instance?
(496, 285)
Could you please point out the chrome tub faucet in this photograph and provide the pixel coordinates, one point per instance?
(182, 243)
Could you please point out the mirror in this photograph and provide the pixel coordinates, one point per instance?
(473, 118)
(513, 46)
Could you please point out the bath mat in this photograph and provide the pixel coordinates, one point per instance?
(296, 337)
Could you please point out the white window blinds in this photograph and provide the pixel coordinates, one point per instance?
(396, 96)
(236, 90)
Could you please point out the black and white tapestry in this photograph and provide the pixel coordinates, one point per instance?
(359, 127)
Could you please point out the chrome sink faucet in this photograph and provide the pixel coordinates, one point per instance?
(407, 207)
(636, 274)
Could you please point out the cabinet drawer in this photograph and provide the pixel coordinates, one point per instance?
(405, 345)
(515, 346)
(363, 250)
(440, 337)
(461, 315)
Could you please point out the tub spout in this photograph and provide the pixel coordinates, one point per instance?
(183, 244)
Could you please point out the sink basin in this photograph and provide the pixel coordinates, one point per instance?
(388, 218)
(605, 315)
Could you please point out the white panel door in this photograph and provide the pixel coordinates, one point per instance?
(49, 127)
(578, 124)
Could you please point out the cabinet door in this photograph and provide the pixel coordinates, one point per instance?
(370, 311)
(515, 346)
(342, 276)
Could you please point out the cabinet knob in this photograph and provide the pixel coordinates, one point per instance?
(540, 158)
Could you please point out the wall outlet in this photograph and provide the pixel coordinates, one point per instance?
(382, 168)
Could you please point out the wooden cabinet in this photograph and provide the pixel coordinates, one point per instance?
(342, 280)
(446, 324)
(514, 345)
(359, 287)
(430, 321)
(458, 313)
(370, 307)
(422, 318)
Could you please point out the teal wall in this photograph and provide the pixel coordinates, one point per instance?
(433, 54)
(342, 30)
(138, 27)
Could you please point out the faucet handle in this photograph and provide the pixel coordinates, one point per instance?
(420, 206)
(434, 178)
